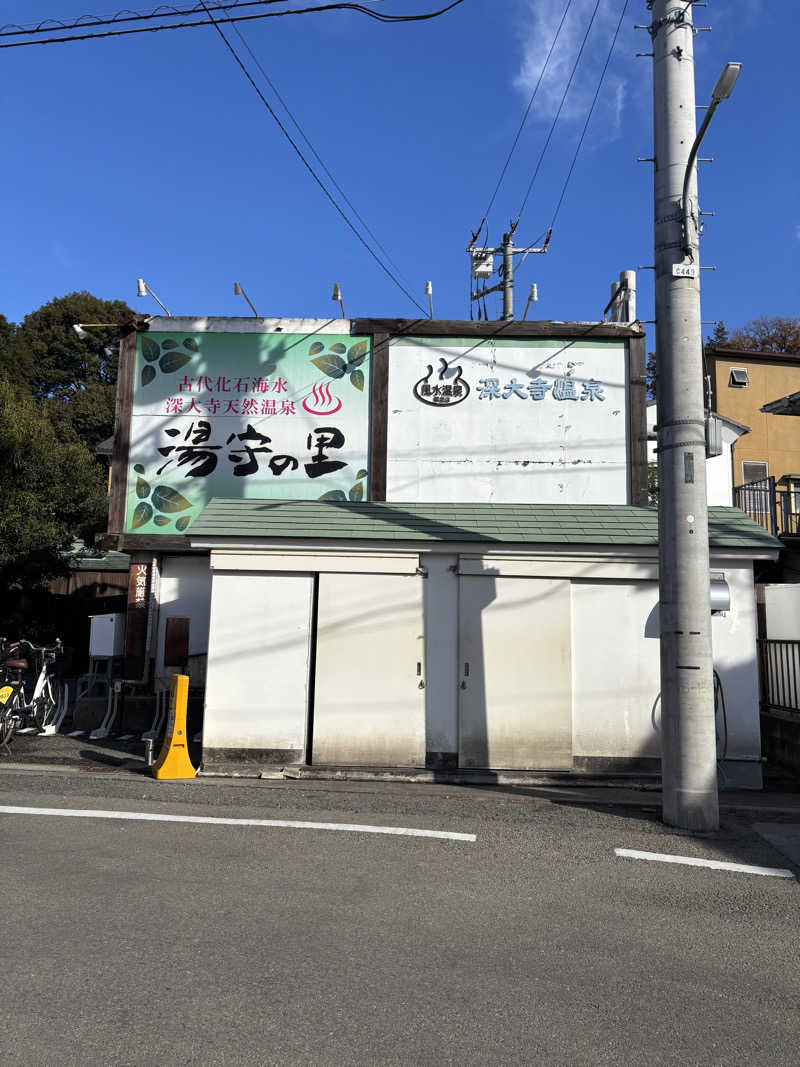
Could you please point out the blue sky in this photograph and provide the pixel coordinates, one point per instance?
(152, 156)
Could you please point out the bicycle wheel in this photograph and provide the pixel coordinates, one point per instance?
(9, 718)
(46, 705)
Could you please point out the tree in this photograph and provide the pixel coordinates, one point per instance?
(74, 377)
(50, 491)
(719, 336)
(777, 334)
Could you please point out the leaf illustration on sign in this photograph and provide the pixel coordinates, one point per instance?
(449, 390)
(141, 515)
(167, 499)
(162, 507)
(357, 353)
(333, 494)
(150, 350)
(169, 355)
(172, 361)
(334, 365)
(330, 364)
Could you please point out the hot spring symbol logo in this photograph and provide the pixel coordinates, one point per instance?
(321, 400)
(452, 388)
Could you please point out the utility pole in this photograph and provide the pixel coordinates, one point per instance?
(482, 268)
(689, 752)
(508, 276)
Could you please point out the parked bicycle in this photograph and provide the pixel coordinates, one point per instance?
(28, 670)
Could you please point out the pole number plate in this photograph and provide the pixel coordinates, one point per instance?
(684, 270)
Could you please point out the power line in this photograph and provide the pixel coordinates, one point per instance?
(558, 113)
(379, 16)
(307, 165)
(165, 11)
(314, 152)
(525, 116)
(589, 116)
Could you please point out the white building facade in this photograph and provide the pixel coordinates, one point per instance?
(495, 611)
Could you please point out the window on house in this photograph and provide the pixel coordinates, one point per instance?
(754, 471)
(739, 377)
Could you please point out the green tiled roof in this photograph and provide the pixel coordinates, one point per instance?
(584, 524)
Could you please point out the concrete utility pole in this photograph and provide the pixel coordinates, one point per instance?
(482, 268)
(508, 276)
(689, 751)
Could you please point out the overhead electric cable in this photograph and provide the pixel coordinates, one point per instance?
(589, 116)
(308, 166)
(313, 150)
(558, 113)
(525, 116)
(379, 16)
(165, 11)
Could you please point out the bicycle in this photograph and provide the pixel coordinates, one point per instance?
(16, 712)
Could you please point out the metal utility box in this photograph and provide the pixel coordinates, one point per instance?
(107, 635)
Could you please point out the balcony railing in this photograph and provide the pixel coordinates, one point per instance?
(779, 674)
(773, 507)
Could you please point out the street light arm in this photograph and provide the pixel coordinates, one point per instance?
(685, 206)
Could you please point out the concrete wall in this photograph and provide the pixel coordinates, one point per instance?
(510, 447)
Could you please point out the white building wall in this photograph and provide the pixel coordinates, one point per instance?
(258, 667)
(259, 654)
(782, 609)
(616, 671)
(184, 591)
(719, 469)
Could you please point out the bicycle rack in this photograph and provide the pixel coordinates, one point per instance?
(157, 725)
(53, 728)
(112, 708)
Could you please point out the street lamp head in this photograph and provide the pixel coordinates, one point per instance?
(725, 82)
(337, 292)
(79, 330)
(237, 289)
(141, 288)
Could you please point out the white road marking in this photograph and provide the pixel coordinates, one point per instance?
(143, 816)
(716, 865)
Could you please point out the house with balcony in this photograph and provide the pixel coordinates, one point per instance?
(744, 387)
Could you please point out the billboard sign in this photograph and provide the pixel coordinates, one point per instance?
(510, 420)
(247, 415)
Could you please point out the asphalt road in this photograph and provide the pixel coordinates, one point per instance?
(129, 942)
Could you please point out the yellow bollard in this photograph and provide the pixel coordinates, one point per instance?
(173, 760)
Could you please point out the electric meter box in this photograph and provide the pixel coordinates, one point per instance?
(107, 635)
